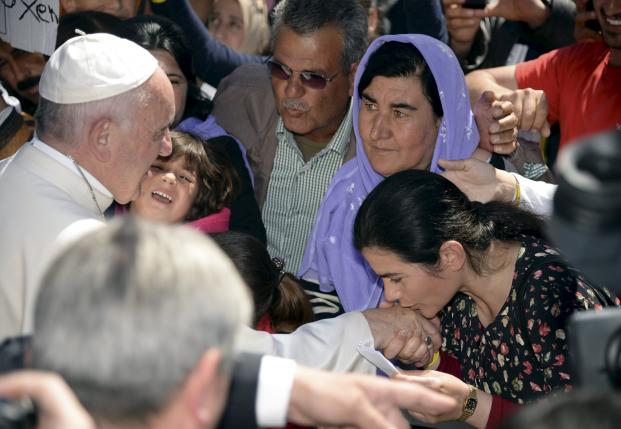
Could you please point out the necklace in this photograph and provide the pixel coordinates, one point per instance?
(90, 188)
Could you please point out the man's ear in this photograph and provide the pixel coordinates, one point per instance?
(100, 139)
(206, 389)
(352, 77)
(452, 255)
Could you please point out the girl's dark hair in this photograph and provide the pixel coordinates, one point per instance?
(88, 21)
(276, 293)
(154, 32)
(413, 212)
(215, 175)
(397, 59)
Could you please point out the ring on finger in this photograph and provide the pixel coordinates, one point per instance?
(429, 342)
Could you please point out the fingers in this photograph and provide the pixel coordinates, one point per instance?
(420, 416)
(504, 129)
(432, 329)
(396, 344)
(506, 148)
(415, 396)
(504, 137)
(540, 121)
(369, 417)
(488, 96)
(423, 377)
(58, 405)
(457, 165)
(501, 109)
(416, 351)
(530, 106)
(496, 121)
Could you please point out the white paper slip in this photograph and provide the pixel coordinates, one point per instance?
(379, 360)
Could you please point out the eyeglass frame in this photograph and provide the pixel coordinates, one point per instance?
(303, 79)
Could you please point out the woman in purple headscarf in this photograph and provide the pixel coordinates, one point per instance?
(411, 108)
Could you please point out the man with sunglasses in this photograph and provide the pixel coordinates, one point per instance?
(293, 114)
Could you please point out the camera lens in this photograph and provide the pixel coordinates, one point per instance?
(586, 224)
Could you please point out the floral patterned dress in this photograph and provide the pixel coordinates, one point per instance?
(496, 358)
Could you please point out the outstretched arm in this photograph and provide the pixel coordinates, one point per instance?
(482, 182)
(212, 60)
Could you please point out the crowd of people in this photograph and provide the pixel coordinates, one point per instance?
(209, 205)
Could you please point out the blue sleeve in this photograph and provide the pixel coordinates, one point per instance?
(425, 17)
(212, 60)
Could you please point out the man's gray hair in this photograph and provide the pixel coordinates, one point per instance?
(125, 314)
(307, 16)
(66, 122)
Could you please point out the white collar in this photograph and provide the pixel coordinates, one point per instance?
(67, 162)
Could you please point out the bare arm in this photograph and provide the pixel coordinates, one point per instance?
(530, 106)
(500, 80)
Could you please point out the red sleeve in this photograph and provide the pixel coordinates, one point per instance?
(545, 73)
(501, 408)
(449, 365)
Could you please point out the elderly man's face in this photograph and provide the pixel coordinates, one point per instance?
(137, 146)
(21, 71)
(315, 114)
(122, 8)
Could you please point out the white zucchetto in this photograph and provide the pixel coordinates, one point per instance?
(94, 67)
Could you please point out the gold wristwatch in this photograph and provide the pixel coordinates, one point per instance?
(470, 404)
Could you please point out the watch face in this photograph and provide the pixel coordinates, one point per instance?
(471, 404)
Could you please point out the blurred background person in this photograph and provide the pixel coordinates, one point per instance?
(241, 25)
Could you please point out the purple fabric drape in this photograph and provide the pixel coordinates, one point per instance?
(330, 257)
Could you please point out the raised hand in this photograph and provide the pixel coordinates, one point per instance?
(497, 123)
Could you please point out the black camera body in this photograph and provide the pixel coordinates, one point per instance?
(586, 226)
(20, 414)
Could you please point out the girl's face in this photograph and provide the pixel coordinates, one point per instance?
(410, 285)
(179, 83)
(168, 192)
(227, 23)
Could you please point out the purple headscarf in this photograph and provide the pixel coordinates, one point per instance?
(330, 257)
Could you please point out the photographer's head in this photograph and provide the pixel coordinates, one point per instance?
(140, 319)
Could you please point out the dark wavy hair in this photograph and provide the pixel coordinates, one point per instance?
(216, 177)
(275, 293)
(413, 212)
(154, 32)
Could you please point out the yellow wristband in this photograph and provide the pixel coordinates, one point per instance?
(517, 196)
(434, 360)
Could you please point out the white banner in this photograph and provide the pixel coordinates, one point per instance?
(30, 25)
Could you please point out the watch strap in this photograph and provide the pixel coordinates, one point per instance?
(470, 404)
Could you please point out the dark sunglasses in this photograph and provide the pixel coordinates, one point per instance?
(310, 79)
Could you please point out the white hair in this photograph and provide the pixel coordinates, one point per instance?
(125, 314)
(65, 123)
